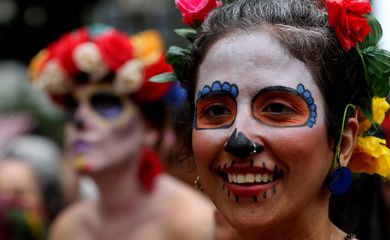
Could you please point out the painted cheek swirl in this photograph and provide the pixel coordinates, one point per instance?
(285, 107)
(216, 106)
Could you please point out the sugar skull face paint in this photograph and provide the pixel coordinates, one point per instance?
(262, 154)
(277, 106)
(216, 106)
(101, 100)
(285, 107)
(104, 129)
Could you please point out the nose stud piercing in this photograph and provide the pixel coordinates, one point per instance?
(257, 147)
(240, 146)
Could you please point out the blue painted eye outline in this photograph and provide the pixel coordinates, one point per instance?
(306, 95)
(216, 88)
(302, 93)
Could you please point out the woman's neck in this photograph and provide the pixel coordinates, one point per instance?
(120, 189)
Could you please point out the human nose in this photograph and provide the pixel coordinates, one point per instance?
(239, 145)
(78, 119)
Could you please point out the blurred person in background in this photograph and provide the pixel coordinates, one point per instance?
(30, 184)
(115, 125)
(30, 191)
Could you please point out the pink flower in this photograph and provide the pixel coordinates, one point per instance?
(347, 19)
(195, 11)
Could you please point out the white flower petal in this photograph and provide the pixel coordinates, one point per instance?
(129, 78)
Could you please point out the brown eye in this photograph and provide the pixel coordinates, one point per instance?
(277, 108)
(215, 112)
(281, 107)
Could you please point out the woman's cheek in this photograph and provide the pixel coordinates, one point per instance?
(207, 144)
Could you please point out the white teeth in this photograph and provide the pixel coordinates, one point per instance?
(265, 177)
(258, 177)
(240, 178)
(250, 178)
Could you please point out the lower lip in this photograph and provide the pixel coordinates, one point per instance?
(249, 190)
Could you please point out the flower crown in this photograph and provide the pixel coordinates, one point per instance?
(354, 28)
(97, 53)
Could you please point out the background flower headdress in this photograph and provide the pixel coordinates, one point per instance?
(354, 29)
(97, 53)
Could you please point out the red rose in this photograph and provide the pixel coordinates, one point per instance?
(62, 49)
(347, 19)
(115, 48)
(195, 11)
(151, 91)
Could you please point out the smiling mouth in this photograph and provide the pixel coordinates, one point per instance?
(81, 146)
(249, 181)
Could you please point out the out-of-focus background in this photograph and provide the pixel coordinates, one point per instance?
(27, 26)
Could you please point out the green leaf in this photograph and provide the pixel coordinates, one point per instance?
(164, 78)
(373, 38)
(176, 54)
(378, 70)
(187, 33)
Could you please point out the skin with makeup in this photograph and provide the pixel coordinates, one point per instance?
(268, 84)
(110, 136)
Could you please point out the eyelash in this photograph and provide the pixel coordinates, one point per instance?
(208, 111)
(282, 105)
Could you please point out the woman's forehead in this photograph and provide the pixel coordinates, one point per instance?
(252, 60)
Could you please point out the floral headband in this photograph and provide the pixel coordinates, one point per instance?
(99, 52)
(354, 28)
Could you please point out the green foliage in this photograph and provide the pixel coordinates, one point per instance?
(187, 33)
(376, 61)
(163, 78)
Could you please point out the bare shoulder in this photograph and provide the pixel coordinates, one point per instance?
(72, 222)
(191, 213)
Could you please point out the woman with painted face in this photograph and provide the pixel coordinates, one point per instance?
(100, 76)
(285, 104)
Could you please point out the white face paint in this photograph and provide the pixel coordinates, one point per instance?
(271, 109)
(105, 129)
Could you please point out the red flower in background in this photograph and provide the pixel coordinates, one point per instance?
(151, 91)
(150, 167)
(62, 49)
(115, 48)
(347, 19)
(195, 11)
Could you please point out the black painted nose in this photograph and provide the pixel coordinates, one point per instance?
(79, 123)
(240, 146)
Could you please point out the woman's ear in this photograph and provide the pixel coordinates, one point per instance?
(349, 139)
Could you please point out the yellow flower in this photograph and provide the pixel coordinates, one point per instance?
(148, 46)
(371, 156)
(37, 63)
(379, 108)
